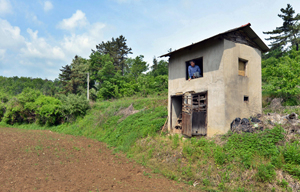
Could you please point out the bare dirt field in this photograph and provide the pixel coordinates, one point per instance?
(47, 161)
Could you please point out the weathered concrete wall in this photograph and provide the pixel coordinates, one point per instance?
(236, 87)
(212, 81)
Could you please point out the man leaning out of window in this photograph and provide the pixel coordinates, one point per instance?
(194, 71)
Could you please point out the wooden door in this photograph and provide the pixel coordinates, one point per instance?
(187, 114)
(199, 123)
(187, 124)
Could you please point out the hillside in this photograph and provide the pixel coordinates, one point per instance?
(261, 161)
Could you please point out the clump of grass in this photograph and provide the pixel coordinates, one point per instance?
(291, 153)
(283, 183)
(265, 172)
(175, 141)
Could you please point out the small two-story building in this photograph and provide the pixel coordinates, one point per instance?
(229, 85)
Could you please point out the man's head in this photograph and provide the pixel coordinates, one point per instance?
(192, 63)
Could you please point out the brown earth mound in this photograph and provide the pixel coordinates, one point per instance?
(126, 112)
(47, 161)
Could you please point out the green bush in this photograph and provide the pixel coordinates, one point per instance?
(265, 172)
(20, 109)
(281, 77)
(14, 112)
(73, 106)
(48, 110)
(2, 110)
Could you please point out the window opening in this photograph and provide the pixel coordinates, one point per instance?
(199, 63)
(242, 67)
(246, 98)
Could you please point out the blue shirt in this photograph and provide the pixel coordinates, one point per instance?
(193, 70)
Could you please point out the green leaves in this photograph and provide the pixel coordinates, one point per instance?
(12, 86)
(48, 110)
(281, 76)
(73, 77)
(263, 143)
(136, 66)
(73, 106)
(31, 106)
(265, 172)
(291, 153)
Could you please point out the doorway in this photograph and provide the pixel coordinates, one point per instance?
(194, 114)
(189, 113)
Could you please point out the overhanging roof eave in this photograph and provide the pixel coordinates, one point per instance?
(246, 28)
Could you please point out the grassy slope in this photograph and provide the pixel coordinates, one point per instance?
(249, 162)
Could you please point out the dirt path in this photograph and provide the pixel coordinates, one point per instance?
(47, 161)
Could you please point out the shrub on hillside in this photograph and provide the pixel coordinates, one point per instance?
(20, 109)
(2, 110)
(281, 77)
(48, 110)
(14, 111)
(73, 106)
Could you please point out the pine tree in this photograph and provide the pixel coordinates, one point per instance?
(289, 32)
(117, 49)
(73, 76)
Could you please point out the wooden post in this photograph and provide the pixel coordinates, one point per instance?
(88, 86)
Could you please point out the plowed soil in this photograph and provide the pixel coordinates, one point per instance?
(48, 161)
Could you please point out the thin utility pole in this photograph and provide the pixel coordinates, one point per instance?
(88, 86)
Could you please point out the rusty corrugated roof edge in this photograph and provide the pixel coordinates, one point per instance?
(263, 47)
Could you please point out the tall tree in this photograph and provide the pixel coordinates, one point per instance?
(73, 76)
(289, 32)
(159, 67)
(136, 66)
(65, 75)
(117, 49)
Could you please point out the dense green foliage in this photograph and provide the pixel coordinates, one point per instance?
(281, 78)
(112, 74)
(73, 106)
(12, 86)
(73, 76)
(117, 49)
(32, 106)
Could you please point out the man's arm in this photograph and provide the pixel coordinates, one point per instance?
(189, 72)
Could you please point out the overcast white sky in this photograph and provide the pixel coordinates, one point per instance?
(38, 37)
